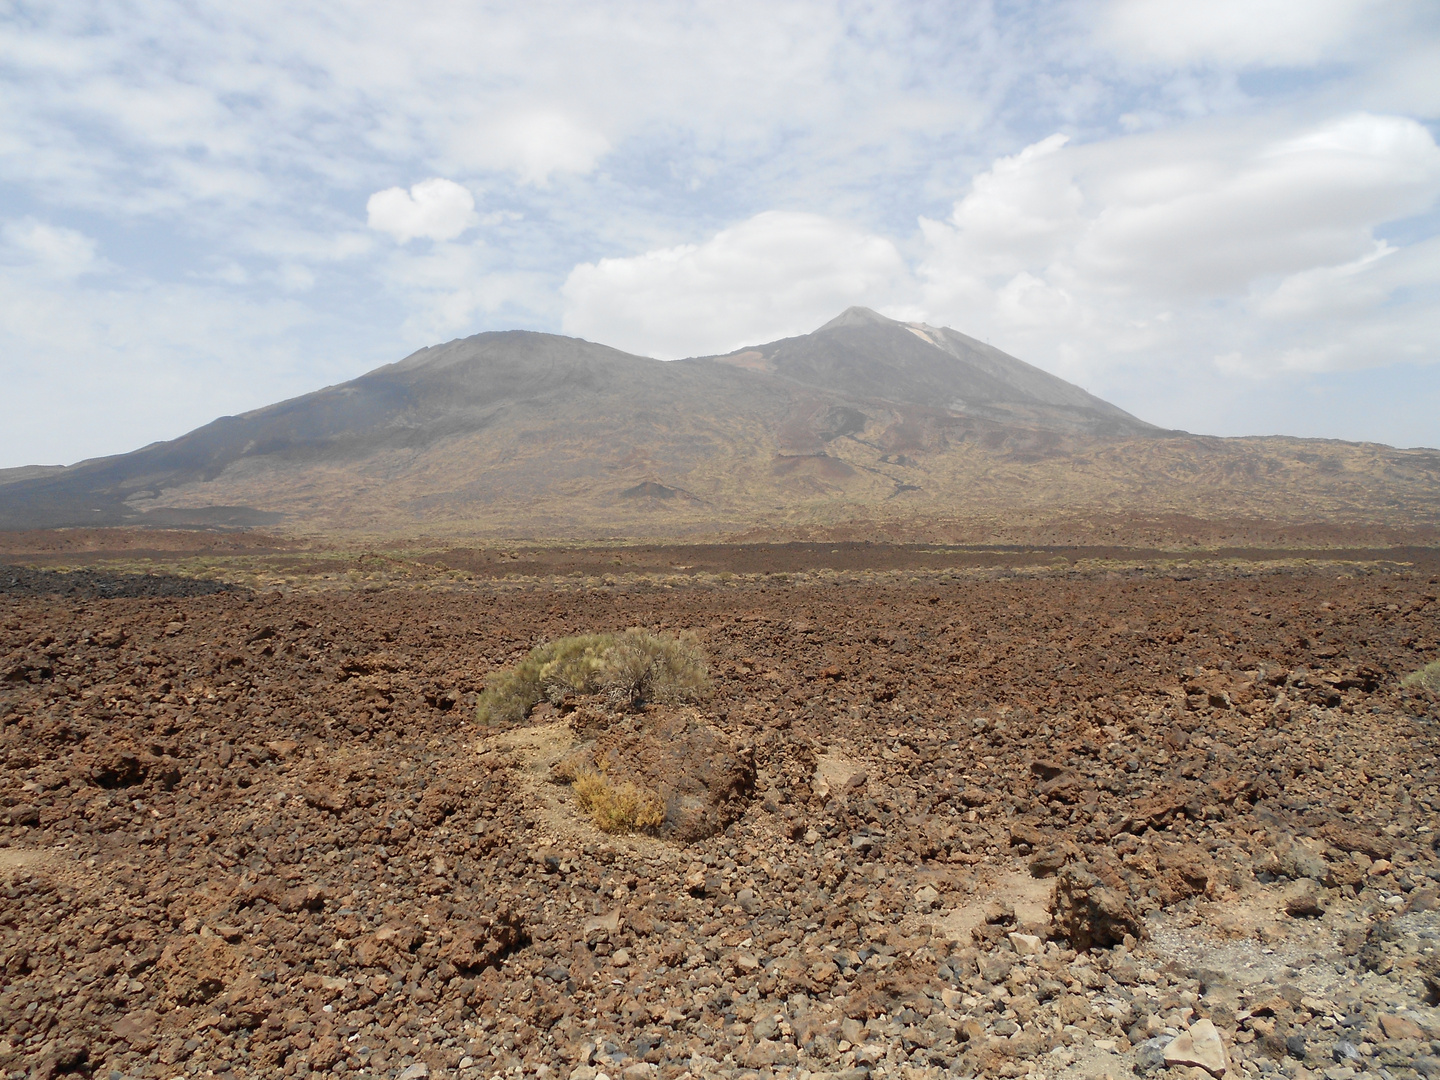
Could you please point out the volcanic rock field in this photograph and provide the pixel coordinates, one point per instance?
(1070, 823)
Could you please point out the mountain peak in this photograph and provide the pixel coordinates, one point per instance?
(856, 316)
(864, 355)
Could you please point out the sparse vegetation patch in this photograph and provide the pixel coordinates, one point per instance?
(1427, 678)
(628, 669)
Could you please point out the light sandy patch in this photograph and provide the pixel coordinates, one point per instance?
(530, 752)
(54, 866)
(1088, 1061)
(833, 774)
(14, 860)
(1030, 897)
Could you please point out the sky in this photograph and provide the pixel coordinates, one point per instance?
(1222, 217)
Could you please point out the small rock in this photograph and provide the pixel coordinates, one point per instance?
(926, 897)
(1397, 1027)
(1305, 902)
(1027, 944)
(1072, 1008)
(1297, 862)
(745, 900)
(418, 1071)
(1201, 1046)
(1426, 899)
(999, 913)
(1345, 1051)
(1295, 1046)
(621, 958)
(324, 798)
(768, 1052)
(1048, 861)
(869, 1054)
(1150, 1055)
(1089, 914)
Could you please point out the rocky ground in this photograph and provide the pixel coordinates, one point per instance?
(1076, 825)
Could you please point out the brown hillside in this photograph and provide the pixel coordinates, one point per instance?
(865, 423)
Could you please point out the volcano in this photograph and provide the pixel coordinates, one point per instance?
(866, 419)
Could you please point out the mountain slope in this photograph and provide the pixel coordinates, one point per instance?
(863, 354)
(865, 420)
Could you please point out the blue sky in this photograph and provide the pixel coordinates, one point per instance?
(1220, 216)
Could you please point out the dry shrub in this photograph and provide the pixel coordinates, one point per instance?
(1427, 678)
(629, 669)
(618, 808)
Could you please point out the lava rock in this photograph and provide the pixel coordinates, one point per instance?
(1089, 914)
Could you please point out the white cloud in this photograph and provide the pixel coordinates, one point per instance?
(1019, 211)
(51, 250)
(1182, 245)
(437, 209)
(1327, 291)
(535, 144)
(1238, 32)
(775, 275)
(1212, 221)
(157, 105)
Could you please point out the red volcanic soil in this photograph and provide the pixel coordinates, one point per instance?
(983, 826)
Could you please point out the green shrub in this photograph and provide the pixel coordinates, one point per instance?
(1427, 678)
(629, 669)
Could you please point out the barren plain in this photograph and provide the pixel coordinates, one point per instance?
(986, 813)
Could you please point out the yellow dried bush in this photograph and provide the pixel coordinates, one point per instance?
(618, 808)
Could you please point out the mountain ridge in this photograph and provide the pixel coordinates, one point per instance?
(519, 432)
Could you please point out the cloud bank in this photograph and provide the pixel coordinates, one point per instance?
(1258, 245)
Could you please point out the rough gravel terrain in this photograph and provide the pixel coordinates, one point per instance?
(1077, 825)
(17, 581)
